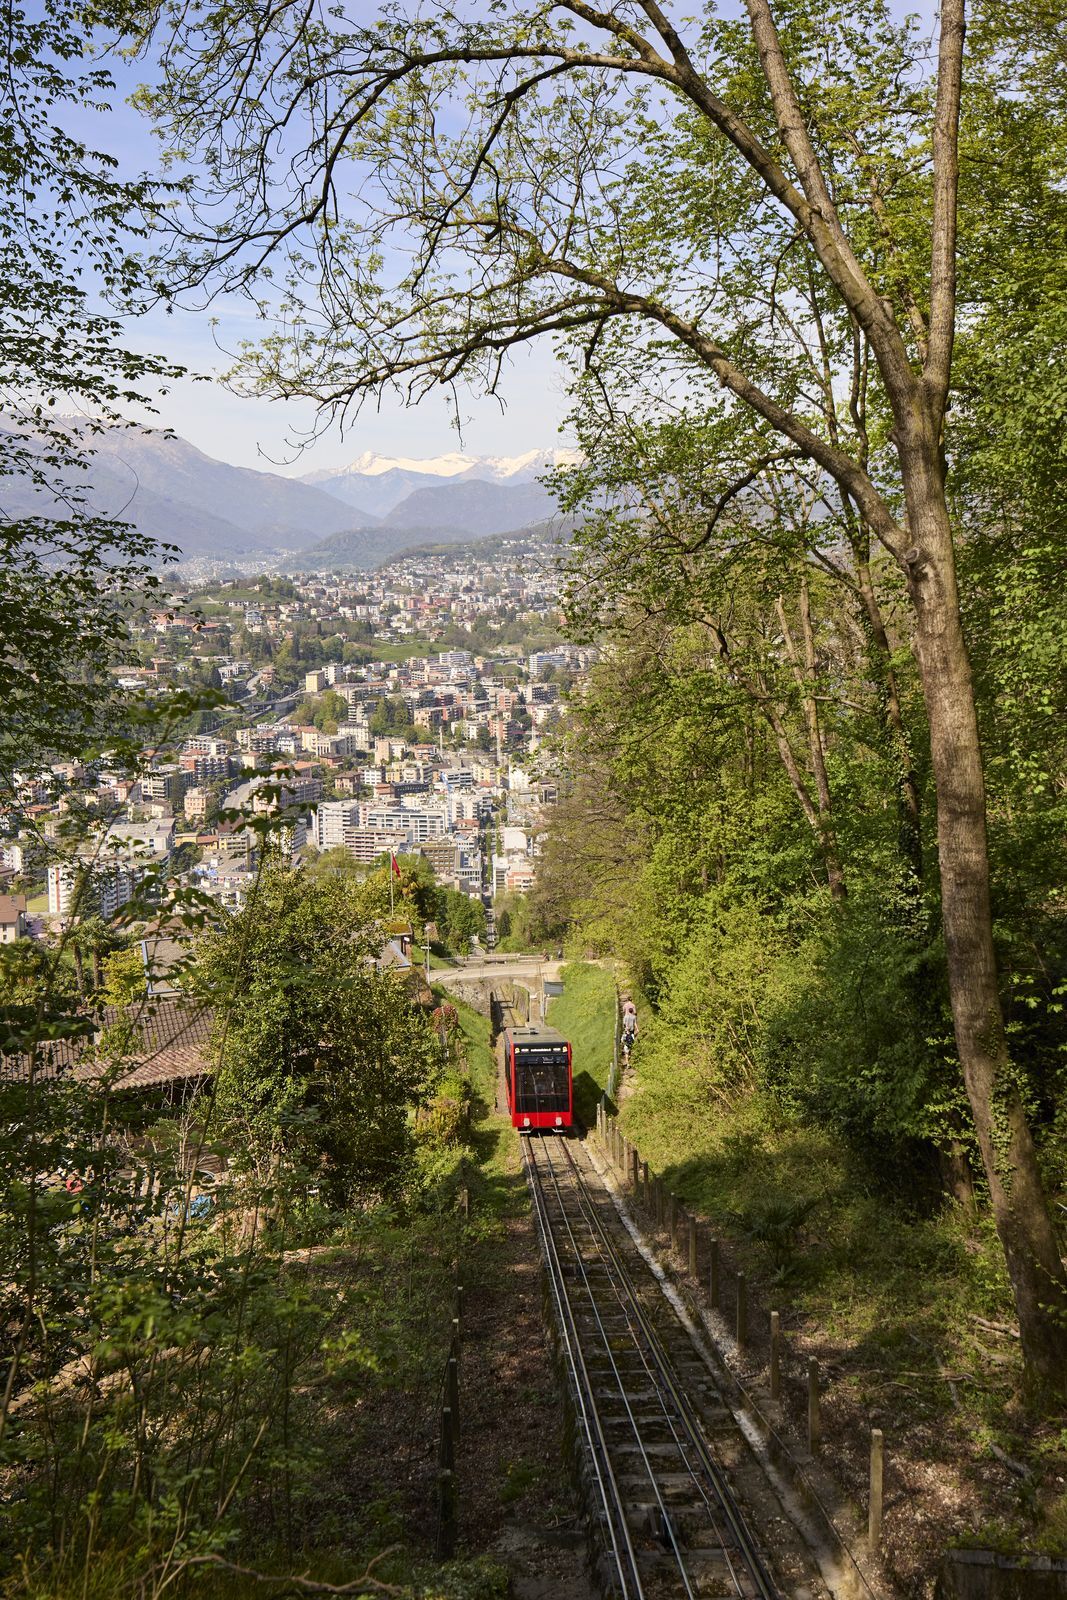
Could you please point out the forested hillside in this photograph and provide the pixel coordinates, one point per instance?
(755, 825)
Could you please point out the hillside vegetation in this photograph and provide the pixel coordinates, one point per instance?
(231, 1304)
(586, 1014)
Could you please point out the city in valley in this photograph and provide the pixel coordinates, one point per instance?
(405, 711)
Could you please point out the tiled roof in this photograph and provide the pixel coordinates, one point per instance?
(171, 1044)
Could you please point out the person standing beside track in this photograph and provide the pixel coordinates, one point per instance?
(629, 1025)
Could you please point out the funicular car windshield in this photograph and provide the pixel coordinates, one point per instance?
(541, 1076)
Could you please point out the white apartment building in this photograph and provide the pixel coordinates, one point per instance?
(13, 857)
(367, 844)
(142, 840)
(336, 823)
(341, 743)
(111, 885)
(258, 740)
(416, 826)
(206, 744)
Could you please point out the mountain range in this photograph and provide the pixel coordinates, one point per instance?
(382, 484)
(373, 507)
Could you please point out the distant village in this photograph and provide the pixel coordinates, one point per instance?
(405, 711)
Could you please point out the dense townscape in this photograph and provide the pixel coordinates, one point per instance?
(439, 752)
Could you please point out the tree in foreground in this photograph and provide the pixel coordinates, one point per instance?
(321, 1057)
(770, 202)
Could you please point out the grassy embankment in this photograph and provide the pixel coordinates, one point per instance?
(585, 1013)
(900, 1294)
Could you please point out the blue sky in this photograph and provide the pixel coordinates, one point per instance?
(259, 433)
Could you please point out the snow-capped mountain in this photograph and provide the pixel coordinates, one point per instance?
(378, 484)
(175, 493)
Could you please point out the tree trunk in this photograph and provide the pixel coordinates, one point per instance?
(1009, 1158)
(956, 1176)
(804, 676)
(908, 787)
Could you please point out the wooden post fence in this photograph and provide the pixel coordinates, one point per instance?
(452, 1394)
(814, 1416)
(446, 1490)
(874, 1516)
(776, 1358)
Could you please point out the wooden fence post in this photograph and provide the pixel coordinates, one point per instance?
(776, 1362)
(659, 1202)
(452, 1391)
(646, 1185)
(672, 1218)
(446, 1491)
(874, 1516)
(814, 1417)
(742, 1311)
(693, 1246)
(713, 1276)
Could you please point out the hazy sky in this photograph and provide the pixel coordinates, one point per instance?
(256, 433)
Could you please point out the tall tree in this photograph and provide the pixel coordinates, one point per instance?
(558, 168)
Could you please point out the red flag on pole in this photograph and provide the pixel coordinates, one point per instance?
(395, 863)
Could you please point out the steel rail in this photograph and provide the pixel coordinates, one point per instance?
(607, 1485)
(667, 1521)
(751, 1556)
(627, 1301)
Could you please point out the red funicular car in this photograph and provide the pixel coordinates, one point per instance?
(537, 1062)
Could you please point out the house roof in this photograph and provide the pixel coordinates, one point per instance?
(170, 1044)
(12, 906)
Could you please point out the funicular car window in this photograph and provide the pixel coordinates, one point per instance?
(541, 1078)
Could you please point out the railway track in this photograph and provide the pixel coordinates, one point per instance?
(676, 1495)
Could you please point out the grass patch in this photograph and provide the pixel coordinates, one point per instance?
(402, 650)
(893, 1290)
(498, 1190)
(474, 1027)
(585, 1014)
